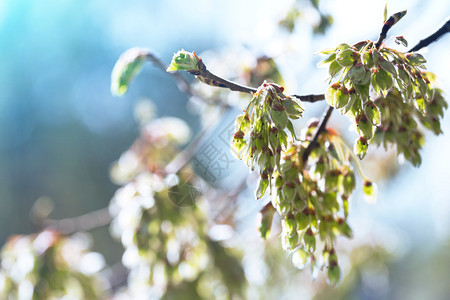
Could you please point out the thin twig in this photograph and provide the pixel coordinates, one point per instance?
(432, 38)
(182, 84)
(388, 25)
(321, 127)
(209, 78)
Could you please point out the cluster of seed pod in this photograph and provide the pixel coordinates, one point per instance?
(260, 134)
(365, 73)
(312, 199)
(399, 124)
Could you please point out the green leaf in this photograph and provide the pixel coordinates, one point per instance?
(358, 74)
(343, 47)
(362, 90)
(183, 61)
(367, 59)
(334, 68)
(364, 127)
(266, 217)
(401, 40)
(415, 59)
(341, 97)
(383, 80)
(290, 127)
(280, 118)
(385, 12)
(348, 183)
(388, 66)
(299, 258)
(350, 103)
(327, 51)
(369, 191)
(420, 104)
(309, 240)
(328, 60)
(126, 68)
(372, 112)
(345, 58)
(262, 187)
(331, 94)
(334, 275)
(302, 220)
(293, 109)
(360, 147)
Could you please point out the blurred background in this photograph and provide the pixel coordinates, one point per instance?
(60, 128)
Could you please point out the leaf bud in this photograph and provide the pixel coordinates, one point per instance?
(183, 61)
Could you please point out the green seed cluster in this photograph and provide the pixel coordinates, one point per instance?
(312, 199)
(260, 134)
(399, 124)
(49, 265)
(364, 72)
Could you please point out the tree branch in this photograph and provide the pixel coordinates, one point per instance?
(182, 84)
(320, 128)
(388, 25)
(209, 78)
(86, 222)
(432, 38)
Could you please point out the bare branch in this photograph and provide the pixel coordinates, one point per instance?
(432, 38)
(388, 25)
(209, 78)
(86, 222)
(320, 128)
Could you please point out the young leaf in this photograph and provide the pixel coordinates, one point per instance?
(126, 68)
(345, 58)
(401, 40)
(262, 187)
(328, 60)
(416, 59)
(183, 61)
(265, 223)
